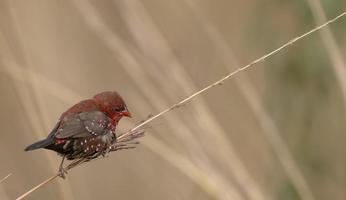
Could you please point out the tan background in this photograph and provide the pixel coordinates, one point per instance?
(276, 131)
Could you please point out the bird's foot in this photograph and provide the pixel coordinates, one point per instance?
(62, 172)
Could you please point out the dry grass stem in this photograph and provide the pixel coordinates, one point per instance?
(37, 187)
(219, 82)
(6, 177)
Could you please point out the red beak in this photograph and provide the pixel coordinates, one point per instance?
(126, 113)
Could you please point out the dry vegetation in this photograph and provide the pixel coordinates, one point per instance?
(275, 132)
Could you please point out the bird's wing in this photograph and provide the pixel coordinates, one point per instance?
(84, 124)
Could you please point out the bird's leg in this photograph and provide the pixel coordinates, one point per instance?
(62, 171)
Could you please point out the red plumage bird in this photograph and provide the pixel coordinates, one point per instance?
(87, 129)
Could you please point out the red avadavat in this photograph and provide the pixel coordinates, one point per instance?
(87, 129)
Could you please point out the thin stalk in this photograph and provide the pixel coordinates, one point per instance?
(220, 81)
(6, 177)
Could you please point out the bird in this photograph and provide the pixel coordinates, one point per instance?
(87, 129)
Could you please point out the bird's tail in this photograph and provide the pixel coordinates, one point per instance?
(40, 144)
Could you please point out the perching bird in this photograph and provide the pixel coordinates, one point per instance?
(87, 129)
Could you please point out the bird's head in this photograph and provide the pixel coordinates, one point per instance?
(112, 105)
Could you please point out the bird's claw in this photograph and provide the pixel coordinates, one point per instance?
(62, 172)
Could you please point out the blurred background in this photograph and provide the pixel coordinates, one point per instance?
(275, 131)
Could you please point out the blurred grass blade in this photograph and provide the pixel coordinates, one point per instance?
(144, 31)
(271, 131)
(329, 42)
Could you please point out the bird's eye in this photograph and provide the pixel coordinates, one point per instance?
(117, 109)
